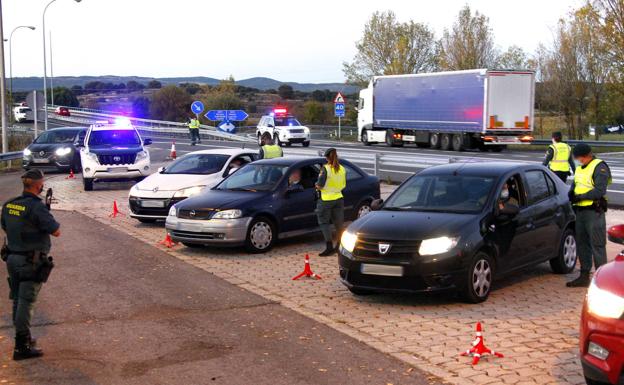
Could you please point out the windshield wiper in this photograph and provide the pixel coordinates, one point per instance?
(242, 189)
(394, 208)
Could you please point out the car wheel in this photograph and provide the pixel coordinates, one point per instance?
(363, 209)
(147, 220)
(306, 144)
(445, 142)
(358, 291)
(458, 142)
(192, 245)
(259, 140)
(498, 148)
(277, 140)
(434, 140)
(261, 235)
(87, 183)
(287, 144)
(364, 138)
(565, 261)
(589, 381)
(479, 280)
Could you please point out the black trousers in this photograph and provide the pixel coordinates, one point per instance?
(563, 175)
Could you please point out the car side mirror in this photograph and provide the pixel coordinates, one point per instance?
(161, 170)
(376, 204)
(616, 234)
(147, 141)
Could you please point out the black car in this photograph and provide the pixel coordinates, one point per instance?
(55, 149)
(260, 203)
(448, 228)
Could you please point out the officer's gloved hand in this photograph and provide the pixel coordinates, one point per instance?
(572, 196)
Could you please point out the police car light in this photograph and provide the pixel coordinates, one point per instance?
(280, 111)
(101, 122)
(122, 122)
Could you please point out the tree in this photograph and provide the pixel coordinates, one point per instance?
(191, 88)
(611, 16)
(77, 90)
(141, 107)
(133, 85)
(514, 58)
(63, 96)
(314, 112)
(154, 84)
(170, 103)
(285, 91)
(223, 96)
(469, 44)
(389, 47)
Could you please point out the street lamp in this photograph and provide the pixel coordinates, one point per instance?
(45, 68)
(11, 52)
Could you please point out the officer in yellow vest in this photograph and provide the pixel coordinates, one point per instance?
(193, 126)
(268, 149)
(588, 197)
(330, 206)
(559, 157)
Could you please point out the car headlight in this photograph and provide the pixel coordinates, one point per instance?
(228, 214)
(92, 157)
(603, 303)
(27, 152)
(188, 192)
(348, 241)
(142, 155)
(173, 211)
(438, 245)
(62, 151)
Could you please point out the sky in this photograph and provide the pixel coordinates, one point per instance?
(296, 40)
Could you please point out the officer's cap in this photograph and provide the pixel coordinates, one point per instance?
(581, 149)
(557, 135)
(34, 174)
(329, 151)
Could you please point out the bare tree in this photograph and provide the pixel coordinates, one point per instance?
(611, 14)
(469, 44)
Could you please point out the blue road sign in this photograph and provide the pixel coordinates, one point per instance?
(197, 107)
(226, 115)
(339, 110)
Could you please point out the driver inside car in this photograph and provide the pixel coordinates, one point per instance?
(508, 197)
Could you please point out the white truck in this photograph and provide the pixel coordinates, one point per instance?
(485, 109)
(23, 114)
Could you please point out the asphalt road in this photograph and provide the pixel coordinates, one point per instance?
(118, 311)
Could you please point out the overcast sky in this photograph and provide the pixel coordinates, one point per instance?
(296, 40)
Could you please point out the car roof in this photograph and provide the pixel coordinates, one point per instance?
(68, 128)
(111, 127)
(225, 151)
(291, 160)
(476, 168)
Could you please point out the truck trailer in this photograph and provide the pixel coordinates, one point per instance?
(482, 109)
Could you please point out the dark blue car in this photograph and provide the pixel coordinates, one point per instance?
(264, 201)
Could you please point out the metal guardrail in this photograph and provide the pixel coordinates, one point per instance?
(593, 143)
(14, 155)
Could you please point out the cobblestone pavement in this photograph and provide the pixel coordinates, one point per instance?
(531, 317)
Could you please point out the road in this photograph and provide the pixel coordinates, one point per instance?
(125, 312)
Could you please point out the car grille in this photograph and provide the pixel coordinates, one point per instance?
(45, 155)
(296, 131)
(117, 159)
(368, 249)
(195, 214)
(195, 236)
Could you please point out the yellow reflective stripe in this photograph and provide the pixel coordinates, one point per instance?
(584, 181)
(334, 184)
(561, 156)
(272, 151)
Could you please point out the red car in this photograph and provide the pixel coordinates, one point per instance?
(602, 321)
(62, 111)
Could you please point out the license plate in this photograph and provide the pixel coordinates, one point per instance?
(118, 170)
(386, 270)
(409, 138)
(507, 140)
(42, 160)
(154, 204)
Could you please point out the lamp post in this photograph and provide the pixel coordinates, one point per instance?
(3, 109)
(45, 68)
(11, 52)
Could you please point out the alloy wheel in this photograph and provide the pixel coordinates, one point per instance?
(569, 251)
(482, 278)
(363, 210)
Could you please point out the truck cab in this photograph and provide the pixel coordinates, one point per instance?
(284, 128)
(23, 114)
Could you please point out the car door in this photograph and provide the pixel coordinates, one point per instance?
(546, 212)
(354, 191)
(298, 209)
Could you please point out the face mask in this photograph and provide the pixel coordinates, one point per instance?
(504, 194)
(577, 163)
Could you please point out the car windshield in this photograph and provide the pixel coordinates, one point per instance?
(114, 138)
(51, 137)
(286, 121)
(197, 164)
(442, 193)
(254, 177)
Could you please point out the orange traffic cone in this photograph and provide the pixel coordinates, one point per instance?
(71, 174)
(168, 242)
(478, 348)
(307, 271)
(116, 211)
(172, 154)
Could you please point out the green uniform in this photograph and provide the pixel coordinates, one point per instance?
(28, 225)
(330, 208)
(590, 186)
(194, 130)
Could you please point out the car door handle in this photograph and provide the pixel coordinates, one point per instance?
(558, 214)
(530, 226)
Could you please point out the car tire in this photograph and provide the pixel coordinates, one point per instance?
(434, 140)
(363, 209)
(498, 148)
(261, 235)
(565, 261)
(589, 381)
(276, 140)
(390, 141)
(364, 138)
(479, 278)
(87, 183)
(259, 139)
(358, 291)
(458, 142)
(192, 245)
(287, 144)
(147, 220)
(445, 142)
(306, 144)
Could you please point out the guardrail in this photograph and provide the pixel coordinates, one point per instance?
(593, 143)
(14, 155)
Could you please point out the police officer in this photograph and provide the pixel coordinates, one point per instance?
(559, 157)
(587, 196)
(330, 207)
(268, 150)
(193, 126)
(28, 225)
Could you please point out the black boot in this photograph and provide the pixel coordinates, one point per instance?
(329, 250)
(583, 280)
(33, 341)
(23, 348)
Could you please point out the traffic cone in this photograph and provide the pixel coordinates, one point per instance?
(71, 174)
(116, 211)
(168, 242)
(478, 348)
(172, 154)
(307, 271)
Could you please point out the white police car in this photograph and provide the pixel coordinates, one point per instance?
(285, 129)
(113, 152)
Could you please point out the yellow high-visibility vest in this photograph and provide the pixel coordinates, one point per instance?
(272, 151)
(193, 124)
(561, 156)
(584, 181)
(334, 184)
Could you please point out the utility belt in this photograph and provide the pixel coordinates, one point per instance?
(599, 206)
(42, 263)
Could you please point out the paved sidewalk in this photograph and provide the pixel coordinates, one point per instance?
(531, 317)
